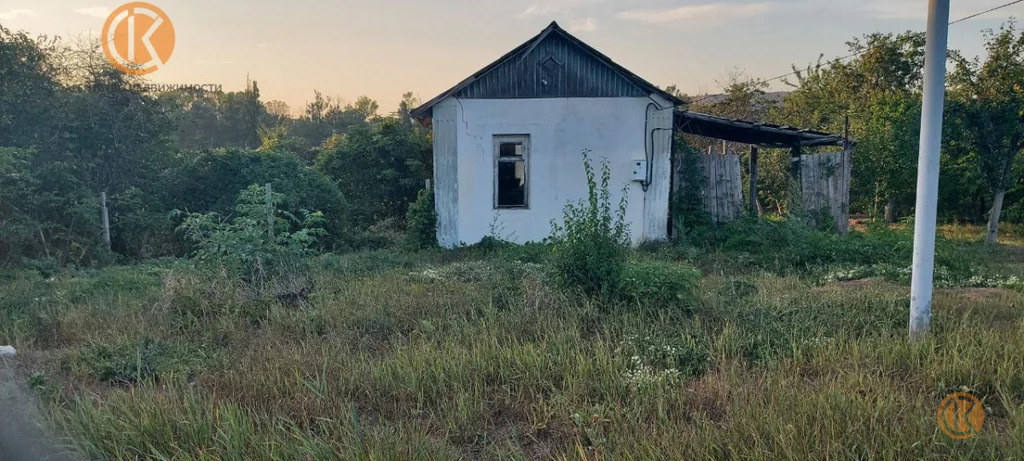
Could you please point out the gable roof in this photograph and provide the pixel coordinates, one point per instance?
(552, 64)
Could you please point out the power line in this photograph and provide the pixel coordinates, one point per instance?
(858, 53)
(985, 12)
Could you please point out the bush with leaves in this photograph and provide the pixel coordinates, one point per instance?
(46, 211)
(791, 246)
(690, 222)
(379, 167)
(210, 181)
(591, 245)
(660, 284)
(245, 246)
(421, 221)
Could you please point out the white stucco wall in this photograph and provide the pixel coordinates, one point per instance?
(559, 129)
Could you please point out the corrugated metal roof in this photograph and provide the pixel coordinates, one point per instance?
(554, 64)
(742, 131)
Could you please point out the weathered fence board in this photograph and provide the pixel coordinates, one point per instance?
(723, 187)
(825, 180)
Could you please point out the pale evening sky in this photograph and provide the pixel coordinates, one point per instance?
(382, 48)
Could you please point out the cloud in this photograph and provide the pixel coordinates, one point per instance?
(557, 7)
(540, 10)
(583, 25)
(94, 11)
(16, 13)
(707, 12)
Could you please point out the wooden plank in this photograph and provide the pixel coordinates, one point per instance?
(825, 181)
(752, 174)
(723, 199)
(736, 201)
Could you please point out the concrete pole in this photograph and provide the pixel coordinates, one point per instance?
(928, 169)
(105, 219)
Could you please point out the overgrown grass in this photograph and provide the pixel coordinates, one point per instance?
(476, 354)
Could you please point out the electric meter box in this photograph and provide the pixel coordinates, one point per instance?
(640, 170)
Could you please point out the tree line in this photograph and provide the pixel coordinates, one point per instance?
(879, 91)
(72, 127)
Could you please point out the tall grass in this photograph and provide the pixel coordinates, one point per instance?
(388, 361)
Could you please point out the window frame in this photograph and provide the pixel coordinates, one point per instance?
(523, 139)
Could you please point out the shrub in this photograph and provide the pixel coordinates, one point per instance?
(46, 211)
(385, 233)
(791, 246)
(660, 284)
(244, 245)
(421, 221)
(690, 222)
(591, 245)
(132, 362)
(379, 167)
(126, 363)
(210, 182)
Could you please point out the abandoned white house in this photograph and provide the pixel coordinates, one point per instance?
(508, 141)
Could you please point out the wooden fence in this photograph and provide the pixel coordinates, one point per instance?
(825, 180)
(723, 187)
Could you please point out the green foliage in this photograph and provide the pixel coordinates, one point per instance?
(591, 245)
(660, 284)
(45, 210)
(886, 156)
(421, 221)
(214, 119)
(657, 358)
(789, 246)
(244, 244)
(125, 363)
(379, 168)
(29, 89)
(443, 338)
(988, 106)
(689, 220)
(141, 226)
(878, 90)
(210, 181)
(133, 363)
(386, 233)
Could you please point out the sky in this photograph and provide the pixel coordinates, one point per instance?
(383, 48)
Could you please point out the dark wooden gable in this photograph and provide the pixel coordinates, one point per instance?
(554, 64)
(553, 67)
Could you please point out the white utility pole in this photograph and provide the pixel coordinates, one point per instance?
(928, 169)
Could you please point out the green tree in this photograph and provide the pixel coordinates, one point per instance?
(878, 90)
(30, 94)
(378, 167)
(988, 101)
(210, 181)
(45, 210)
